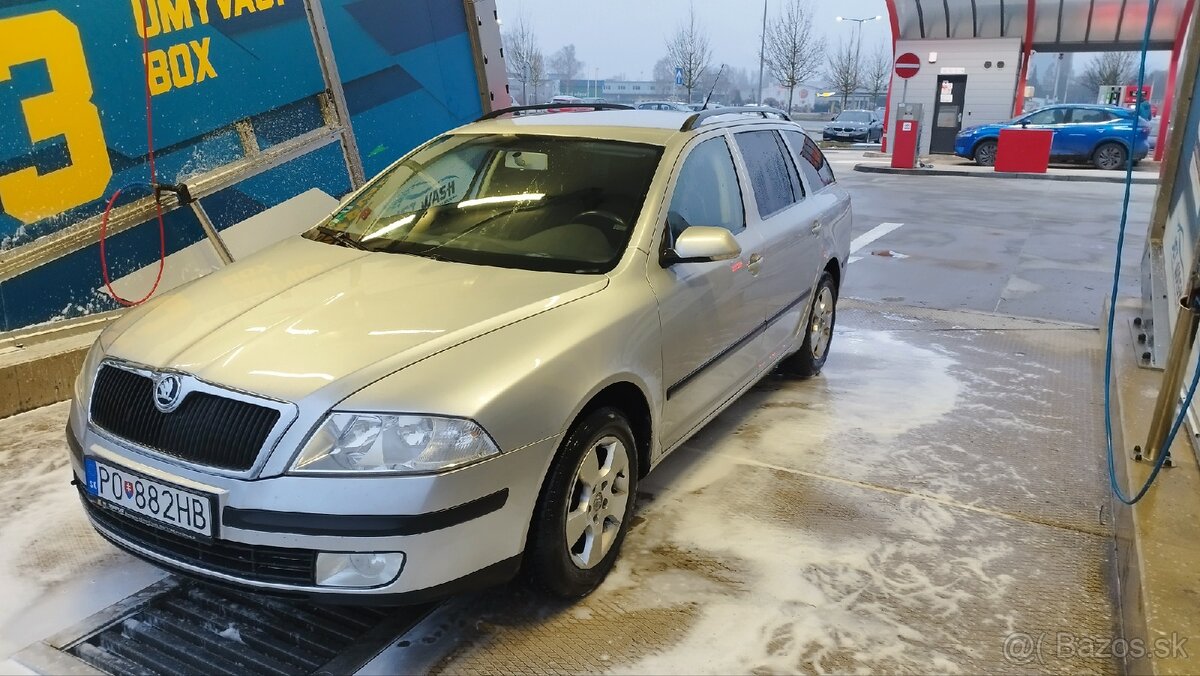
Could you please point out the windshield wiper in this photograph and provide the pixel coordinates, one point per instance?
(341, 237)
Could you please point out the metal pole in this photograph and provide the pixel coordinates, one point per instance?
(762, 54)
(333, 84)
(210, 231)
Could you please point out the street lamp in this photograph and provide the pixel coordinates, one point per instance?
(858, 42)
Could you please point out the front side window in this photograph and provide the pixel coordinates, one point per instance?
(1048, 116)
(707, 191)
(532, 202)
(772, 174)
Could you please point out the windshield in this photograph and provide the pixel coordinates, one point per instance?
(532, 202)
(854, 116)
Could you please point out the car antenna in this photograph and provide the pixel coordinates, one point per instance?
(714, 87)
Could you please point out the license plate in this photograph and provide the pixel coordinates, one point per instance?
(159, 502)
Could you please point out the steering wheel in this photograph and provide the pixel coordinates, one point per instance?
(615, 222)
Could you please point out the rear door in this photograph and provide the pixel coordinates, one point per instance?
(711, 313)
(1085, 129)
(831, 203)
(790, 226)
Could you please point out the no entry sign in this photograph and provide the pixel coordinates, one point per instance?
(907, 65)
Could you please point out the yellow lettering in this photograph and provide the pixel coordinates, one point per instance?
(160, 73)
(143, 10)
(66, 111)
(243, 6)
(264, 4)
(176, 14)
(202, 9)
(180, 61)
(226, 7)
(204, 68)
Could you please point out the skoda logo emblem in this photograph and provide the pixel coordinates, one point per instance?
(168, 392)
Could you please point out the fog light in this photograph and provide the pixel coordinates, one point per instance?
(368, 569)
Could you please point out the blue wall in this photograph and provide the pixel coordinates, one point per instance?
(407, 69)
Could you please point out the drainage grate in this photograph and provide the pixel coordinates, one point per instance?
(192, 628)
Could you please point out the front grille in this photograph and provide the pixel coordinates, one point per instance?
(206, 429)
(249, 562)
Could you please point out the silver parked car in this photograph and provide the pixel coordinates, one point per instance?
(469, 365)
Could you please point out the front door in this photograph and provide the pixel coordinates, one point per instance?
(947, 112)
(710, 313)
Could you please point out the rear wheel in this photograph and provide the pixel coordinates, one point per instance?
(818, 332)
(586, 505)
(1110, 156)
(985, 154)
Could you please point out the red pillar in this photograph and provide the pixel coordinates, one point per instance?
(1169, 97)
(1026, 50)
(887, 107)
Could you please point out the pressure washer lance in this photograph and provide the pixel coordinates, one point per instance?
(184, 195)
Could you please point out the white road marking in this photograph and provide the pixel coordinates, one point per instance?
(870, 236)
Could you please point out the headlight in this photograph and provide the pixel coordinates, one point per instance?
(375, 442)
(87, 374)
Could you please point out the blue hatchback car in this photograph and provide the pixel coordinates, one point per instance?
(1082, 133)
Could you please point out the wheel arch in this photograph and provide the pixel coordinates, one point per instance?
(834, 268)
(631, 400)
(981, 141)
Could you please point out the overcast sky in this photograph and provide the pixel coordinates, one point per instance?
(626, 37)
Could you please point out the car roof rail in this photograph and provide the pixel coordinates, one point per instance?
(513, 110)
(699, 118)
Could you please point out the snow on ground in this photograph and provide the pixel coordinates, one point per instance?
(888, 516)
(54, 569)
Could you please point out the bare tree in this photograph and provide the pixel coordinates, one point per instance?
(537, 73)
(843, 70)
(1109, 68)
(664, 76)
(793, 53)
(877, 73)
(689, 51)
(521, 51)
(565, 65)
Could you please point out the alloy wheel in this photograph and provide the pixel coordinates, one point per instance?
(820, 328)
(597, 502)
(1110, 157)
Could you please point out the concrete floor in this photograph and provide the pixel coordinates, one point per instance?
(937, 491)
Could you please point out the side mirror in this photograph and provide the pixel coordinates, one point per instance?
(1024, 124)
(702, 244)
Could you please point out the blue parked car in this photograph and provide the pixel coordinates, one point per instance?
(1082, 133)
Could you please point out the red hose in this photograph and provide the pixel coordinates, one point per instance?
(162, 232)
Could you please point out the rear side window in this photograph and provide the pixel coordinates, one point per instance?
(1089, 116)
(773, 176)
(812, 161)
(707, 192)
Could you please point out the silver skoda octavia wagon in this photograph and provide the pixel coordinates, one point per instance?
(465, 370)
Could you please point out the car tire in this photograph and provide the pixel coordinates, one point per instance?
(598, 456)
(818, 332)
(1110, 156)
(985, 153)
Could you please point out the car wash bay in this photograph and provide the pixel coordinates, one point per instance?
(939, 490)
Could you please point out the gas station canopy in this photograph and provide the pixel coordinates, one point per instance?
(1057, 25)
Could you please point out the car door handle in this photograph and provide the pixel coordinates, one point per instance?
(816, 226)
(755, 263)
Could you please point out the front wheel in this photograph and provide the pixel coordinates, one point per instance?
(985, 154)
(818, 332)
(585, 507)
(1110, 156)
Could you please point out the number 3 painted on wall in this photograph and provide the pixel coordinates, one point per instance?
(66, 111)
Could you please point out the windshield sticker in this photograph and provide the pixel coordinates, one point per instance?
(423, 196)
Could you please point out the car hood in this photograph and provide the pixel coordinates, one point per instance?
(303, 316)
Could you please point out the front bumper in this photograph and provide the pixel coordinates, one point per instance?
(457, 530)
(845, 136)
